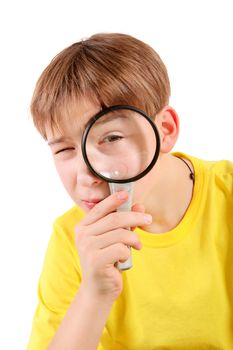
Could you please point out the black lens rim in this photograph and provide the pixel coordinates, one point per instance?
(98, 116)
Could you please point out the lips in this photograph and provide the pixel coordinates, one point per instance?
(90, 203)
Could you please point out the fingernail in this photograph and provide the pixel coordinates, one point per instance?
(148, 218)
(122, 195)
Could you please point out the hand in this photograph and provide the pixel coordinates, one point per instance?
(102, 239)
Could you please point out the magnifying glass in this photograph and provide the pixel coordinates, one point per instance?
(120, 145)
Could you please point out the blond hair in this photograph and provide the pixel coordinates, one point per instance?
(108, 68)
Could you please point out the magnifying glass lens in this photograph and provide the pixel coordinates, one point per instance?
(121, 145)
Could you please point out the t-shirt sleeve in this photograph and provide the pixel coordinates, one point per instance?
(224, 172)
(58, 285)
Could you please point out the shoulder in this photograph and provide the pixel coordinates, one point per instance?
(61, 250)
(67, 221)
(62, 237)
(218, 172)
(217, 167)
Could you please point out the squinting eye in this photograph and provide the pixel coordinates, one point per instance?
(64, 150)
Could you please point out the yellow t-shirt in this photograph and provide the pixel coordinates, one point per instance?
(179, 293)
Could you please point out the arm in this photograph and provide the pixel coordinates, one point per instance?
(87, 314)
(101, 240)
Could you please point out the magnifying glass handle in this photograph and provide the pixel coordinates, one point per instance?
(116, 187)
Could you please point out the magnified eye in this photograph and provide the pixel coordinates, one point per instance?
(111, 138)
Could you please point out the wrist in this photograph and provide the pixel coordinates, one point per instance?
(92, 298)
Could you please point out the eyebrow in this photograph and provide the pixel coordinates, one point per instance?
(109, 118)
(58, 140)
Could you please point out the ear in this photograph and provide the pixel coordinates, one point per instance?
(167, 122)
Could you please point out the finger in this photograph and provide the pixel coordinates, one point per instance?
(138, 208)
(117, 236)
(114, 253)
(117, 220)
(106, 206)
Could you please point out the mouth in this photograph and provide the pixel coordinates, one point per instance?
(90, 203)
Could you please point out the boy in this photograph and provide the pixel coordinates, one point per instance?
(178, 294)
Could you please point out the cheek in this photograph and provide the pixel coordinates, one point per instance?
(67, 174)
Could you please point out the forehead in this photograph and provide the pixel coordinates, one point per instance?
(73, 119)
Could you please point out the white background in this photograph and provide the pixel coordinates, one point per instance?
(194, 38)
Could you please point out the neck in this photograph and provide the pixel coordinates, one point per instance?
(171, 195)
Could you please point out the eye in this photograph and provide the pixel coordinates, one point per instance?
(64, 150)
(111, 138)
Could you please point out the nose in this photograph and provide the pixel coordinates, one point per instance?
(84, 176)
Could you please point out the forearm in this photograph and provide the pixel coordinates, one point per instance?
(83, 323)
